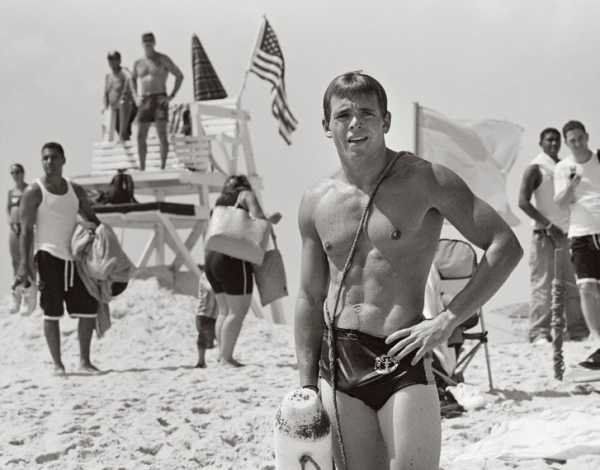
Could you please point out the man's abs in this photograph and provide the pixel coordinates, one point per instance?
(152, 76)
(377, 307)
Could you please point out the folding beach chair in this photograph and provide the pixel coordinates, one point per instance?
(455, 262)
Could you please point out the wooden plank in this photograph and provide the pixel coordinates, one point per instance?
(247, 147)
(181, 248)
(133, 151)
(148, 249)
(177, 139)
(222, 111)
(160, 244)
(147, 181)
(190, 242)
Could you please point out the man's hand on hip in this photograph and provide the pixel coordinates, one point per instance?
(422, 337)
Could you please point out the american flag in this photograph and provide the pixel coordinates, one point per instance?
(268, 63)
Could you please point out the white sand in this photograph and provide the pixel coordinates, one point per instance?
(154, 411)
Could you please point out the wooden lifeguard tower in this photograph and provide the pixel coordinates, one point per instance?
(209, 140)
(197, 166)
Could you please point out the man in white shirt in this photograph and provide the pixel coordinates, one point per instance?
(550, 225)
(577, 185)
(52, 205)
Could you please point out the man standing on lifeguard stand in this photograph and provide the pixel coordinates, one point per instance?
(153, 101)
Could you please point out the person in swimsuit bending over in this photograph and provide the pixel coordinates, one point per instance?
(369, 234)
(231, 278)
(153, 104)
(12, 209)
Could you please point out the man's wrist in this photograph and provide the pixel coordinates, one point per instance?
(449, 318)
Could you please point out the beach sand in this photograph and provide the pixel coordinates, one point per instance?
(153, 410)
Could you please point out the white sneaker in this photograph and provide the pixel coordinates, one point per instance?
(15, 300)
(29, 300)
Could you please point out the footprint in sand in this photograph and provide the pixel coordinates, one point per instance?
(199, 410)
(459, 426)
(72, 429)
(163, 422)
(150, 450)
(231, 440)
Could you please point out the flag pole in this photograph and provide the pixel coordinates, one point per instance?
(259, 36)
(416, 114)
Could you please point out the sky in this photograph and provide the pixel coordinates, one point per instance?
(533, 62)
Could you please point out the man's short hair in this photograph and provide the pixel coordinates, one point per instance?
(54, 146)
(113, 55)
(571, 126)
(351, 84)
(17, 167)
(147, 37)
(549, 130)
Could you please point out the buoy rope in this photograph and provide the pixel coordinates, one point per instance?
(332, 317)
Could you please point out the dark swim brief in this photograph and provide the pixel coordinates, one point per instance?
(364, 370)
(153, 108)
(228, 275)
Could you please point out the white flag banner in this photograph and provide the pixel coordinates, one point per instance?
(480, 152)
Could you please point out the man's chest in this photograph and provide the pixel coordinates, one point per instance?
(394, 223)
(150, 67)
(590, 178)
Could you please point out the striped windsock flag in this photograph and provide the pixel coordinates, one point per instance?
(268, 63)
(207, 85)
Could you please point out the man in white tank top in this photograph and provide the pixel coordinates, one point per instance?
(51, 204)
(577, 186)
(550, 223)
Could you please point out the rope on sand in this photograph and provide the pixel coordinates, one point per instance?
(557, 312)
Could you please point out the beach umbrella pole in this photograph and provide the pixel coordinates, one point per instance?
(557, 312)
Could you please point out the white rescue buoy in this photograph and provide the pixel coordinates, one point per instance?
(302, 433)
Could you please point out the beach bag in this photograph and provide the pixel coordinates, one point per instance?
(233, 232)
(121, 188)
(270, 276)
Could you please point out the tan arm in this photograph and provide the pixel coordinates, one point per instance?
(28, 207)
(314, 279)
(482, 226)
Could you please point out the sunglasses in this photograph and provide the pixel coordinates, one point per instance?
(15, 172)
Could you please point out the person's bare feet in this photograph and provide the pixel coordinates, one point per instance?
(59, 370)
(231, 362)
(89, 368)
(200, 365)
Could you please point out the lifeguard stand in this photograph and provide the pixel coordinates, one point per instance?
(220, 134)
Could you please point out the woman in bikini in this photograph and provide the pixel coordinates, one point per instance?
(12, 208)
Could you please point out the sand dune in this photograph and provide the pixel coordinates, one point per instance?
(152, 410)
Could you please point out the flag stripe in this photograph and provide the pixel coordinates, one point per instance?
(265, 76)
(281, 99)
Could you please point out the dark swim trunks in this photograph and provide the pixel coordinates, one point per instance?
(153, 108)
(364, 370)
(585, 256)
(232, 276)
(59, 282)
